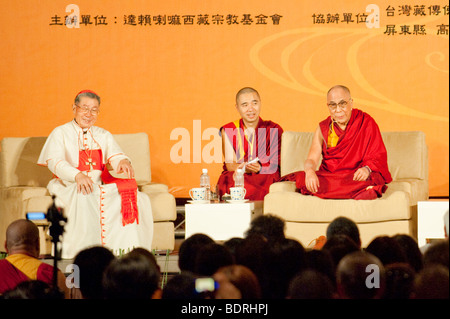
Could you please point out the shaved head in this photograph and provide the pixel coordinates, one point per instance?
(245, 91)
(22, 235)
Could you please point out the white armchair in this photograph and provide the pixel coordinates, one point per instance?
(23, 185)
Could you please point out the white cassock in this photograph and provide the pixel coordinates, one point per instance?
(96, 218)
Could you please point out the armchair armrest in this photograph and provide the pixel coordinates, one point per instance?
(154, 188)
(282, 187)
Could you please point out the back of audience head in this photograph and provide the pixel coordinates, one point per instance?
(210, 258)
(92, 262)
(181, 286)
(188, 250)
(338, 246)
(399, 281)
(437, 253)
(344, 226)
(411, 250)
(133, 276)
(269, 226)
(353, 279)
(22, 236)
(242, 278)
(254, 253)
(286, 259)
(432, 282)
(387, 249)
(232, 244)
(310, 284)
(321, 261)
(33, 289)
(146, 254)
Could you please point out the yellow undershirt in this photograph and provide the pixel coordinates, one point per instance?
(332, 137)
(26, 264)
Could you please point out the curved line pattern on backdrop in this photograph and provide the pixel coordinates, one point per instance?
(319, 89)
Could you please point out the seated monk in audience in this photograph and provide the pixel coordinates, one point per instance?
(22, 263)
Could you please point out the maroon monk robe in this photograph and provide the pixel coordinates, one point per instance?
(360, 144)
(10, 276)
(266, 146)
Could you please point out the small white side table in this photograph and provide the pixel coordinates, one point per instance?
(430, 220)
(221, 221)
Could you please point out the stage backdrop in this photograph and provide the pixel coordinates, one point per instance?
(172, 68)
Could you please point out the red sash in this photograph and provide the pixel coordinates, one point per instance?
(128, 193)
(127, 187)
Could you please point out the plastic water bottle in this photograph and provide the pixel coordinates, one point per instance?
(239, 178)
(205, 182)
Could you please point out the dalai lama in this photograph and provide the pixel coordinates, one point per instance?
(354, 163)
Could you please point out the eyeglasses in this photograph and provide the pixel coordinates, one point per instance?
(85, 110)
(342, 104)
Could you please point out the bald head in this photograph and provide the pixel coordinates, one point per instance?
(22, 236)
(245, 91)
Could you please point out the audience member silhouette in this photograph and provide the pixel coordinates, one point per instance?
(188, 251)
(321, 261)
(91, 263)
(145, 253)
(399, 280)
(181, 286)
(338, 246)
(387, 249)
(432, 282)
(287, 258)
(310, 284)
(344, 226)
(353, 281)
(411, 251)
(269, 226)
(242, 278)
(254, 253)
(33, 289)
(232, 245)
(210, 258)
(437, 253)
(133, 276)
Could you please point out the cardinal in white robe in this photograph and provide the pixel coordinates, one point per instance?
(100, 209)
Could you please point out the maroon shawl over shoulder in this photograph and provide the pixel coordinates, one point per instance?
(10, 276)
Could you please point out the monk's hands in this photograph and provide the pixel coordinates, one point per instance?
(311, 181)
(254, 167)
(85, 184)
(125, 167)
(362, 174)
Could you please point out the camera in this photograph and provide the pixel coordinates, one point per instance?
(205, 285)
(55, 217)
